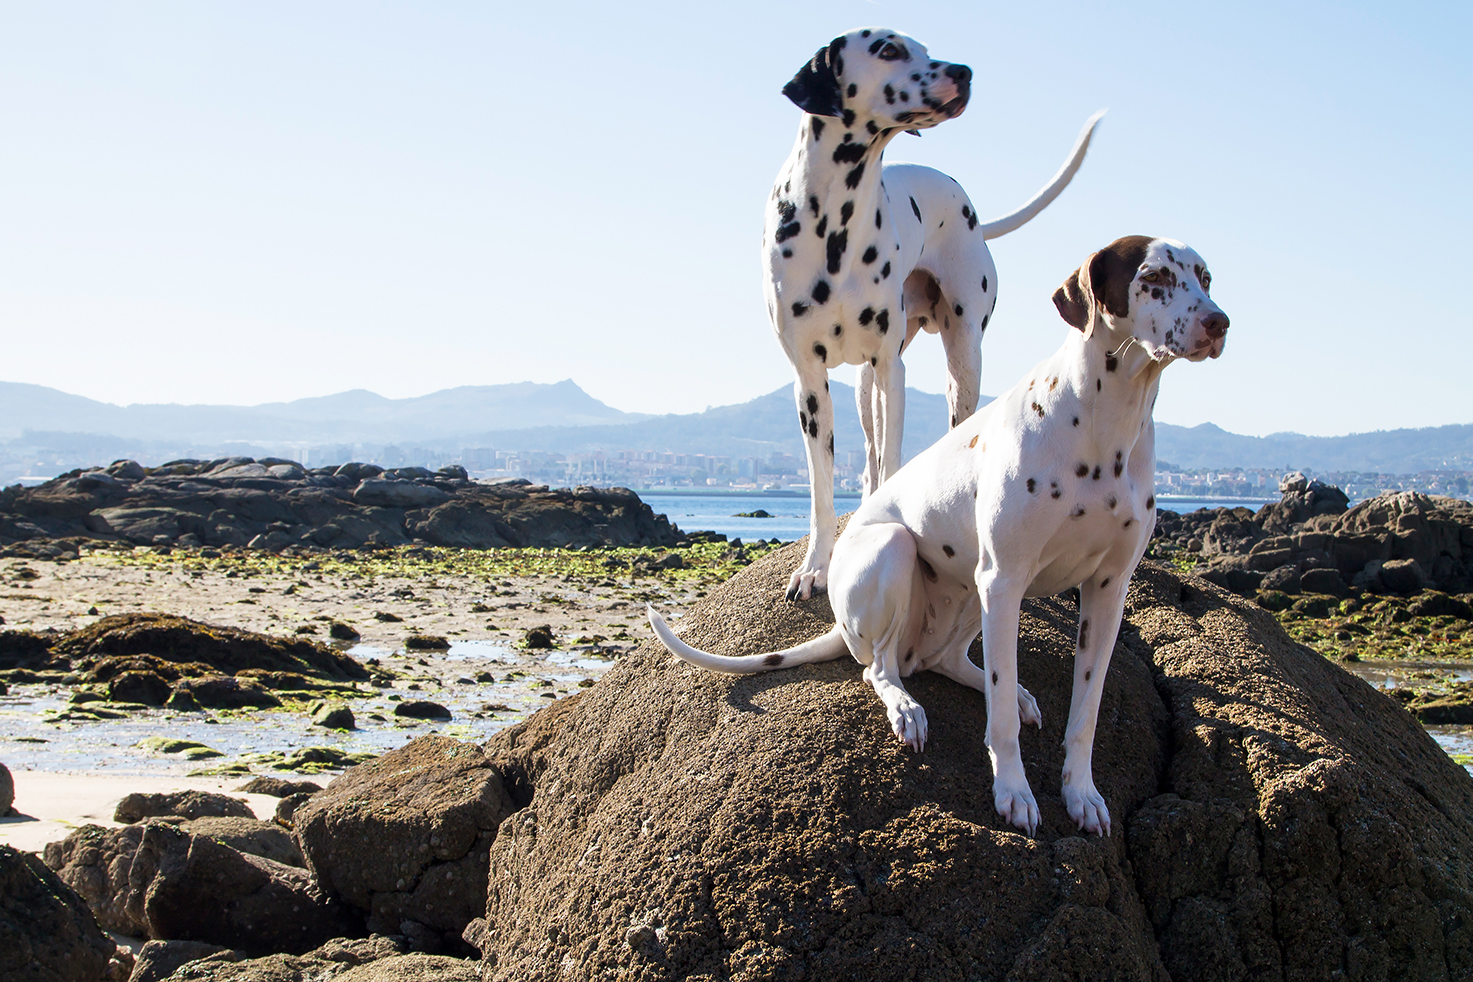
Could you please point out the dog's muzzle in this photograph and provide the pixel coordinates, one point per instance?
(961, 77)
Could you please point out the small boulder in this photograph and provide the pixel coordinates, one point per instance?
(421, 709)
(343, 632)
(431, 809)
(146, 688)
(221, 692)
(426, 642)
(539, 637)
(1327, 581)
(250, 836)
(278, 787)
(286, 809)
(203, 890)
(1284, 579)
(185, 804)
(7, 792)
(157, 960)
(47, 934)
(333, 715)
(1404, 576)
(1429, 604)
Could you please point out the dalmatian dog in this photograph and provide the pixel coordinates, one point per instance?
(854, 251)
(1047, 488)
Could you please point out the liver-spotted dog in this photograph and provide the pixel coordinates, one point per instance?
(1047, 488)
(858, 261)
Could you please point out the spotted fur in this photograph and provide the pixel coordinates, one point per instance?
(836, 286)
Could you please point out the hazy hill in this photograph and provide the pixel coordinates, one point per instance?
(563, 418)
(356, 416)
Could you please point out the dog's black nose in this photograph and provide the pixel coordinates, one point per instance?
(1215, 324)
(961, 73)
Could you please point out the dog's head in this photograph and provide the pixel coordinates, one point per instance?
(1154, 291)
(881, 76)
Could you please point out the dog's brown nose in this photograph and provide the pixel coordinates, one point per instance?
(1215, 324)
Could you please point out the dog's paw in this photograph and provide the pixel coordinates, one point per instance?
(908, 720)
(808, 581)
(1017, 805)
(1028, 711)
(1087, 806)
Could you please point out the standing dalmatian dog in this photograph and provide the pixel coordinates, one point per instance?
(852, 253)
(1048, 487)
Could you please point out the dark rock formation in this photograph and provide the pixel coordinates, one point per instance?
(1275, 817)
(7, 791)
(430, 810)
(1396, 543)
(199, 889)
(47, 934)
(278, 787)
(185, 804)
(376, 959)
(421, 709)
(157, 960)
(275, 506)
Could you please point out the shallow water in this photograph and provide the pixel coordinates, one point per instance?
(524, 683)
(1456, 740)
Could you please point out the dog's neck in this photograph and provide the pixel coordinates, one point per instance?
(833, 164)
(1116, 381)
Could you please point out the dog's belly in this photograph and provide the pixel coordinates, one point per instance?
(1081, 547)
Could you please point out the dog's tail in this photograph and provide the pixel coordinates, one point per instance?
(826, 647)
(1041, 200)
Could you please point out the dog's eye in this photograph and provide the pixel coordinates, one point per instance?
(1206, 280)
(1151, 276)
(889, 52)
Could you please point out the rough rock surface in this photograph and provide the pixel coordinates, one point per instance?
(1396, 543)
(98, 863)
(431, 810)
(185, 804)
(1274, 817)
(368, 960)
(157, 960)
(278, 787)
(7, 790)
(47, 934)
(199, 889)
(244, 503)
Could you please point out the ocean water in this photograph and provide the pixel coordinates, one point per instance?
(717, 511)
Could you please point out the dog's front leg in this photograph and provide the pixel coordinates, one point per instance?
(963, 344)
(1011, 795)
(1100, 609)
(816, 417)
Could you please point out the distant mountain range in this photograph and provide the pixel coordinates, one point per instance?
(563, 418)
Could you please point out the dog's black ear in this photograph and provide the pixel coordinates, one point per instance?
(1072, 301)
(1113, 269)
(815, 89)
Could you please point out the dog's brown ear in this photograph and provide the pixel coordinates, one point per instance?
(1113, 269)
(1073, 301)
(815, 89)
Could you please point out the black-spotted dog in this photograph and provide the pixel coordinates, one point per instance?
(857, 261)
(1047, 488)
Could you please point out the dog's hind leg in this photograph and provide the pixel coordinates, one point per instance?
(872, 595)
(816, 419)
(864, 395)
(1100, 609)
(889, 414)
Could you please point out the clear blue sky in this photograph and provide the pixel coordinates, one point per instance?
(248, 202)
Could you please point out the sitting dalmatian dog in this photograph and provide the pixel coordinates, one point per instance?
(853, 251)
(1047, 488)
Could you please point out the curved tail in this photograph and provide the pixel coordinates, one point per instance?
(825, 647)
(1041, 200)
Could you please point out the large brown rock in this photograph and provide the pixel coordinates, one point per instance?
(186, 804)
(199, 889)
(430, 811)
(47, 934)
(1274, 817)
(375, 959)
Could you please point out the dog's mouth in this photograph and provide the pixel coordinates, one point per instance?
(954, 108)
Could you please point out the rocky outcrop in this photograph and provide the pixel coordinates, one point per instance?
(98, 863)
(186, 804)
(7, 791)
(376, 959)
(431, 810)
(1275, 817)
(47, 934)
(276, 505)
(1397, 543)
